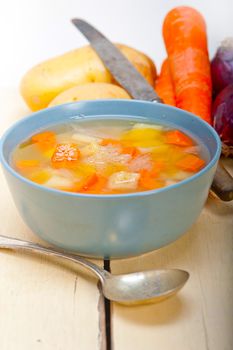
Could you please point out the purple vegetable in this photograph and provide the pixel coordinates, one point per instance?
(222, 66)
(223, 118)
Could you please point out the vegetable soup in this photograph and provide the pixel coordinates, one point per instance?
(108, 156)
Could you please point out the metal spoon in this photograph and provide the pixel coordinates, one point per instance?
(130, 288)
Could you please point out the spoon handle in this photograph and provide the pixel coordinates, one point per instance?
(18, 244)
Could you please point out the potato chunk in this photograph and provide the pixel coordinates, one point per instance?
(123, 180)
(85, 139)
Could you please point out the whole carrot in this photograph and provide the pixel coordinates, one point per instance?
(164, 85)
(184, 33)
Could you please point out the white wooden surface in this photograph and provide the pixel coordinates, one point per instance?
(46, 304)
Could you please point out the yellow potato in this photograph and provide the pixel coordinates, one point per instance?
(44, 82)
(90, 91)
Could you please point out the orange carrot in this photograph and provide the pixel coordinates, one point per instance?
(149, 178)
(112, 142)
(133, 151)
(176, 137)
(190, 163)
(147, 181)
(90, 181)
(184, 33)
(44, 140)
(99, 185)
(65, 156)
(157, 167)
(164, 85)
(92, 184)
(26, 164)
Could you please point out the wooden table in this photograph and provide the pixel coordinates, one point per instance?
(53, 305)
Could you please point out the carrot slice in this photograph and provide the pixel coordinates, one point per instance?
(98, 186)
(65, 156)
(90, 181)
(178, 138)
(149, 178)
(133, 151)
(112, 142)
(149, 182)
(92, 184)
(45, 140)
(190, 163)
(24, 164)
(164, 85)
(184, 33)
(158, 167)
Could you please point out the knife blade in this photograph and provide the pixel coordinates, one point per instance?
(114, 60)
(136, 85)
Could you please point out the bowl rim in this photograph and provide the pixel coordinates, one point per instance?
(14, 173)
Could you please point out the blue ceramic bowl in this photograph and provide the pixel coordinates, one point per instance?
(111, 226)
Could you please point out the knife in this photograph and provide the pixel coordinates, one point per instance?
(138, 88)
(119, 66)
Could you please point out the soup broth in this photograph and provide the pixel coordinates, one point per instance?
(109, 156)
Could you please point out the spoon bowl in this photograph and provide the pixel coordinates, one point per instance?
(150, 286)
(132, 288)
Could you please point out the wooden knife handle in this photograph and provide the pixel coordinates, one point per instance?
(222, 184)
